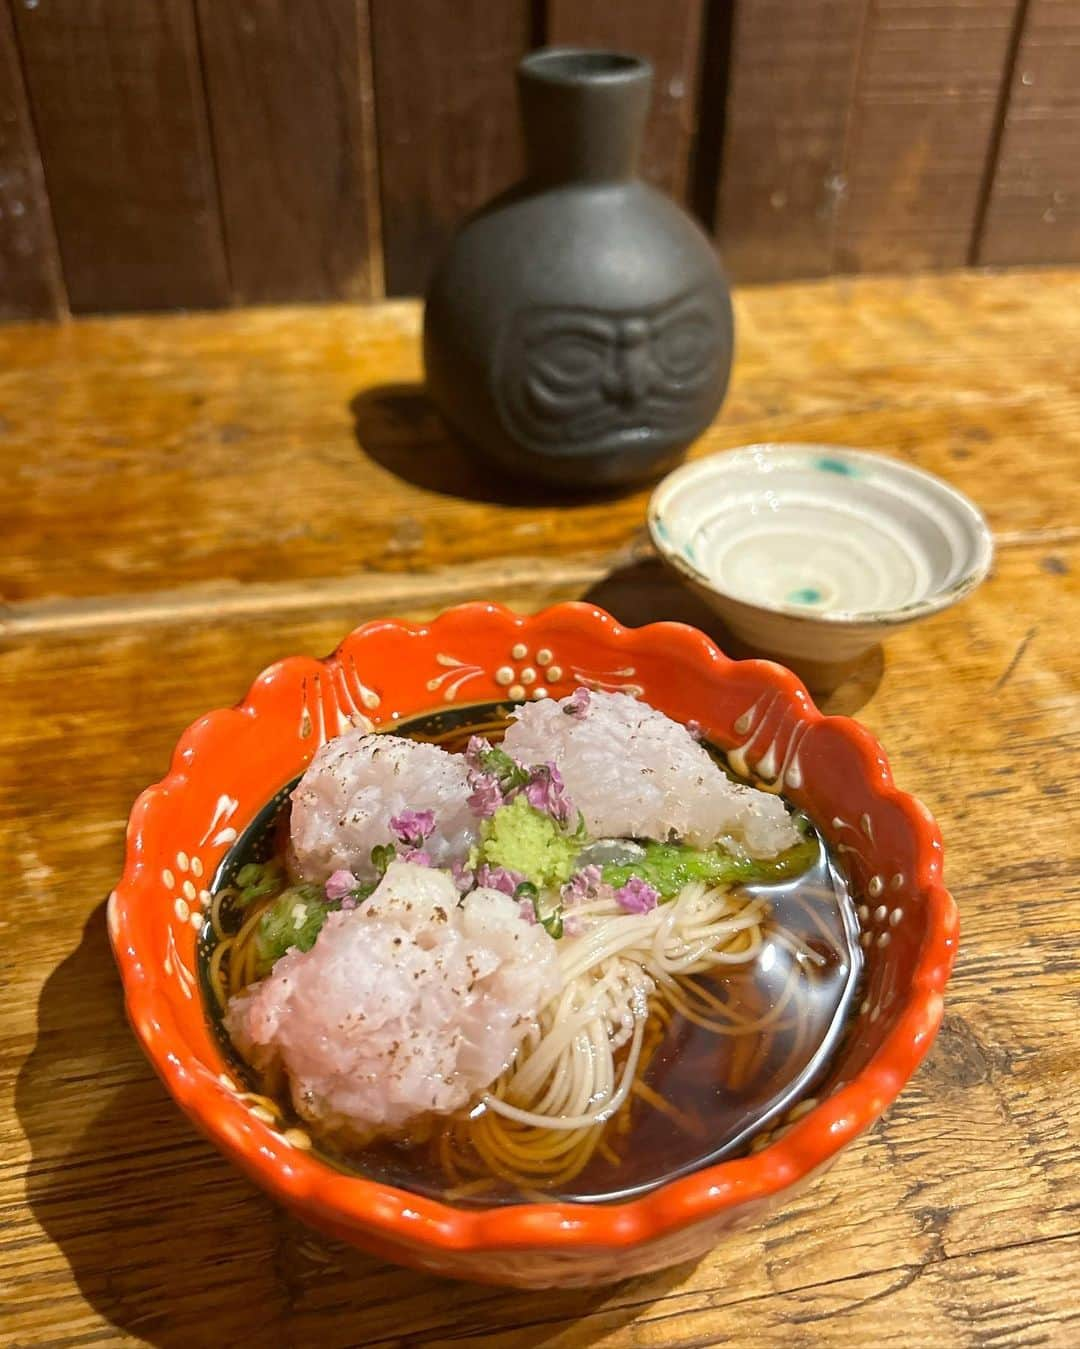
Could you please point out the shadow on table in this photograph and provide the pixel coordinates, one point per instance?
(646, 591)
(171, 1245)
(397, 426)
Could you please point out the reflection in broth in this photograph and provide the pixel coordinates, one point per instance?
(724, 1058)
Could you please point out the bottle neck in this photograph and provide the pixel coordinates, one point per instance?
(583, 113)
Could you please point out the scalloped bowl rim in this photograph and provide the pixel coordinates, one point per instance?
(349, 1203)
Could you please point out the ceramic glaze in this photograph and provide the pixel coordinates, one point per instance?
(230, 766)
(578, 329)
(814, 552)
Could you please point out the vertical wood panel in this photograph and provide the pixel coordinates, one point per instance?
(1033, 210)
(30, 281)
(447, 120)
(670, 36)
(922, 128)
(116, 92)
(858, 133)
(789, 94)
(292, 118)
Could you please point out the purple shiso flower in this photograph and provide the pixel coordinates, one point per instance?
(637, 896)
(486, 796)
(573, 925)
(475, 751)
(417, 856)
(582, 885)
(578, 703)
(340, 885)
(527, 909)
(463, 877)
(413, 826)
(498, 878)
(546, 791)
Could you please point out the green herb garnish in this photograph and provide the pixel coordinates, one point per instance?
(507, 771)
(381, 857)
(553, 923)
(670, 866)
(292, 921)
(255, 880)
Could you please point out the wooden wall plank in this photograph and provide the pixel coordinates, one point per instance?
(447, 120)
(789, 92)
(30, 282)
(117, 98)
(858, 133)
(1033, 211)
(292, 118)
(670, 36)
(922, 128)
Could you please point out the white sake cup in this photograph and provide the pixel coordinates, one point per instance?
(814, 553)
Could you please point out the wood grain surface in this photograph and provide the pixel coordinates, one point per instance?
(193, 153)
(921, 132)
(294, 149)
(295, 446)
(790, 88)
(155, 561)
(1033, 211)
(862, 136)
(670, 36)
(30, 281)
(116, 89)
(446, 111)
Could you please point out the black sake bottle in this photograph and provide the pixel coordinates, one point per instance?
(578, 330)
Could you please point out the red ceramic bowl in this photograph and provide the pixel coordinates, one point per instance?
(231, 763)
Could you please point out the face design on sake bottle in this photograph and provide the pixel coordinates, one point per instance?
(569, 378)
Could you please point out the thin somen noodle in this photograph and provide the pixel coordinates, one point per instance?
(670, 1029)
(545, 1117)
(566, 1081)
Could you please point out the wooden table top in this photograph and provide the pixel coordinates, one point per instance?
(184, 499)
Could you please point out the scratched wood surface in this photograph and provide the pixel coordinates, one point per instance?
(117, 101)
(1033, 204)
(446, 113)
(789, 100)
(861, 137)
(191, 501)
(921, 132)
(295, 445)
(295, 151)
(30, 280)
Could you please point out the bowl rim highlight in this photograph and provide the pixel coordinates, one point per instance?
(713, 465)
(355, 1208)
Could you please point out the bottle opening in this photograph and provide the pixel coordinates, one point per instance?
(572, 66)
(583, 112)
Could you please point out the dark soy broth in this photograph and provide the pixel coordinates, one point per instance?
(727, 1089)
(702, 1096)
